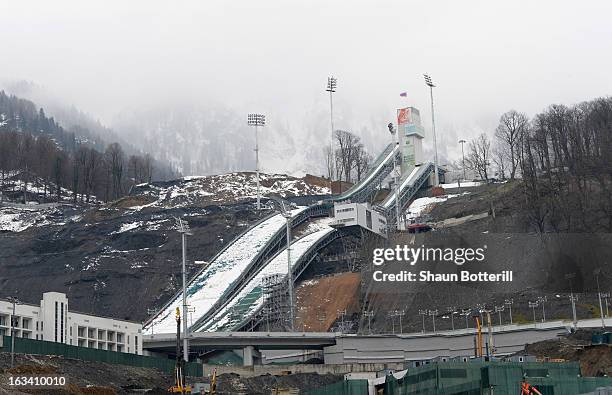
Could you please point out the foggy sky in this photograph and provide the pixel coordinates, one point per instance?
(486, 57)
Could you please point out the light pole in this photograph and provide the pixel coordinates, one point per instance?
(596, 272)
(499, 309)
(533, 305)
(509, 302)
(452, 313)
(570, 277)
(369, 315)
(184, 231)
(433, 314)
(400, 314)
(152, 312)
(14, 301)
(396, 178)
(466, 313)
(257, 120)
(423, 313)
(542, 300)
(431, 85)
(331, 88)
(391, 314)
(463, 157)
(341, 314)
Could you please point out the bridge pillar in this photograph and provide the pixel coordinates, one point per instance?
(248, 354)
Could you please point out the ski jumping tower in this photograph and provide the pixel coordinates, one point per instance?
(410, 134)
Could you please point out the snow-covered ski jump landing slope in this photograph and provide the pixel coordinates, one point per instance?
(206, 288)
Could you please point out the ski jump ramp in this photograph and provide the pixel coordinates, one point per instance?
(232, 280)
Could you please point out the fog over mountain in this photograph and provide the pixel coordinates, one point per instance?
(178, 79)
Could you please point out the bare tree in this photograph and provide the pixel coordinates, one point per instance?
(479, 156)
(512, 126)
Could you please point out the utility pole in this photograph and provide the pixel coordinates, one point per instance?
(391, 314)
(257, 120)
(14, 301)
(509, 302)
(331, 88)
(395, 174)
(463, 157)
(597, 272)
(605, 297)
(184, 231)
(430, 84)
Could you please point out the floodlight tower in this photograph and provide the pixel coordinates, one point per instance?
(184, 231)
(286, 212)
(431, 85)
(462, 141)
(331, 88)
(257, 120)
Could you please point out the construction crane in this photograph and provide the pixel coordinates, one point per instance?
(180, 387)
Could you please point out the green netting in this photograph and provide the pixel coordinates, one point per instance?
(40, 347)
(347, 387)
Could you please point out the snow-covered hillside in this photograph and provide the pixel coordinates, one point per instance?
(226, 188)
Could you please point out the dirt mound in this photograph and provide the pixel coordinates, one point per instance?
(594, 360)
(319, 300)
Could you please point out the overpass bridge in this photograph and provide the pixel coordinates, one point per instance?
(341, 348)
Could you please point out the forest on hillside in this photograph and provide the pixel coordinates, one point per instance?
(563, 156)
(35, 149)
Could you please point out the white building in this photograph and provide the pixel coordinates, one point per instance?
(53, 321)
(350, 214)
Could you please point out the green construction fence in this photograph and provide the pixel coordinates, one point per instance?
(41, 347)
(346, 387)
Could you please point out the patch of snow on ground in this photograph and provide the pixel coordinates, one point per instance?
(464, 184)
(418, 206)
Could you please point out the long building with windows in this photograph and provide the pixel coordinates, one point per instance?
(53, 321)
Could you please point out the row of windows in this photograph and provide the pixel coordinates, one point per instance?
(344, 210)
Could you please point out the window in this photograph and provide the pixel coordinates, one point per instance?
(25, 335)
(369, 219)
(25, 323)
(136, 344)
(56, 321)
(62, 323)
(37, 321)
(3, 320)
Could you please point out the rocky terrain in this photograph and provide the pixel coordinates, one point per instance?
(105, 256)
(83, 377)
